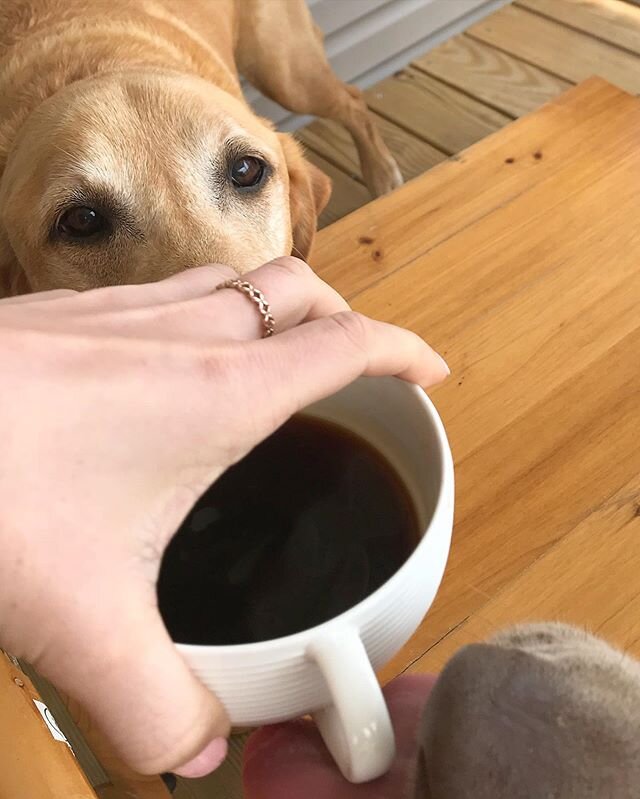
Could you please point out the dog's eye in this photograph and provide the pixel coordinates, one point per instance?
(247, 172)
(80, 222)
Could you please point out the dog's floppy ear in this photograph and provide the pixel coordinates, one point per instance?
(309, 192)
(13, 280)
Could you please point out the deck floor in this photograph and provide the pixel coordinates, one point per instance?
(505, 66)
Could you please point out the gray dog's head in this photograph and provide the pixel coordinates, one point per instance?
(541, 711)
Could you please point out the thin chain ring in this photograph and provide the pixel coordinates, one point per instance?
(258, 298)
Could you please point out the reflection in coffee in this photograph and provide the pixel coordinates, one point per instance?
(312, 521)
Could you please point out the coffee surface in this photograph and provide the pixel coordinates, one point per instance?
(307, 525)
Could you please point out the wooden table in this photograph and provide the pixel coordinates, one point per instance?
(519, 260)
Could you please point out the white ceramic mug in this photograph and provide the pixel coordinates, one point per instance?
(328, 670)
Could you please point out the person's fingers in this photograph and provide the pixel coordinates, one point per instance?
(317, 359)
(294, 293)
(189, 284)
(188, 306)
(272, 379)
(136, 686)
(291, 759)
(111, 303)
(41, 296)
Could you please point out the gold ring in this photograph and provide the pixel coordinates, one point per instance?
(257, 297)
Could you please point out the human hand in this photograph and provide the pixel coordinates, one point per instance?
(120, 406)
(292, 760)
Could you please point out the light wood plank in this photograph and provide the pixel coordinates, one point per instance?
(529, 358)
(390, 233)
(334, 143)
(86, 758)
(32, 762)
(510, 458)
(612, 20)
(536, 318)
(564, 52)
(347, 194)
(590, 579)
(439, 114)
(490, 75)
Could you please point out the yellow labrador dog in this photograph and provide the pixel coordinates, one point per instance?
(127, 151)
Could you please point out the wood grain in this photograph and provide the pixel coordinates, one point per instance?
(563, 51)
(33, 765)
(441, 115)
(525, 275)
(612, 20)
(335, 145)
(590, 579)
(508, 65)
(374, 241)
(491, 75)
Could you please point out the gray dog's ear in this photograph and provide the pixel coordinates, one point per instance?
(12, 277)
(540, 711)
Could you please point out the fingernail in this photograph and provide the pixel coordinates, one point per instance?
(444, 364)
(207, 761)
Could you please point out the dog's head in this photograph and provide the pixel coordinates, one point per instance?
(542, 710)
(127, 180)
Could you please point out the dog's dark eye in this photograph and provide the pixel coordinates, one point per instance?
(80, 222)
(247, 172)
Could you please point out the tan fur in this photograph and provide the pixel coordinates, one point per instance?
(540, 711)
(135, 104)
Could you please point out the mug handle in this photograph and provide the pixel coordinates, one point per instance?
(356, 727)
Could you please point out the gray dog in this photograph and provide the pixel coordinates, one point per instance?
(541, 711)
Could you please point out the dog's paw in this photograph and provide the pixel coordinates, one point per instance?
(384, 178)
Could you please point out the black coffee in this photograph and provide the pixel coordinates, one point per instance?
(307, 525)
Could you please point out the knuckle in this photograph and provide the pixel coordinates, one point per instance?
(354, 326)
(293, 266)
(211, 273)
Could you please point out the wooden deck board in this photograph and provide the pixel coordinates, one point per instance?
(334, 144)
(492, 76)
(563, 51)
(445, 117)
(615, 22)
(504, 67)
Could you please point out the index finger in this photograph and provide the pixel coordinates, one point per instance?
(316, 359)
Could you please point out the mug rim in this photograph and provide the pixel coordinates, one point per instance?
(302, 638)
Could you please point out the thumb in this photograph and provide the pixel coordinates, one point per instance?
(141, 694)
